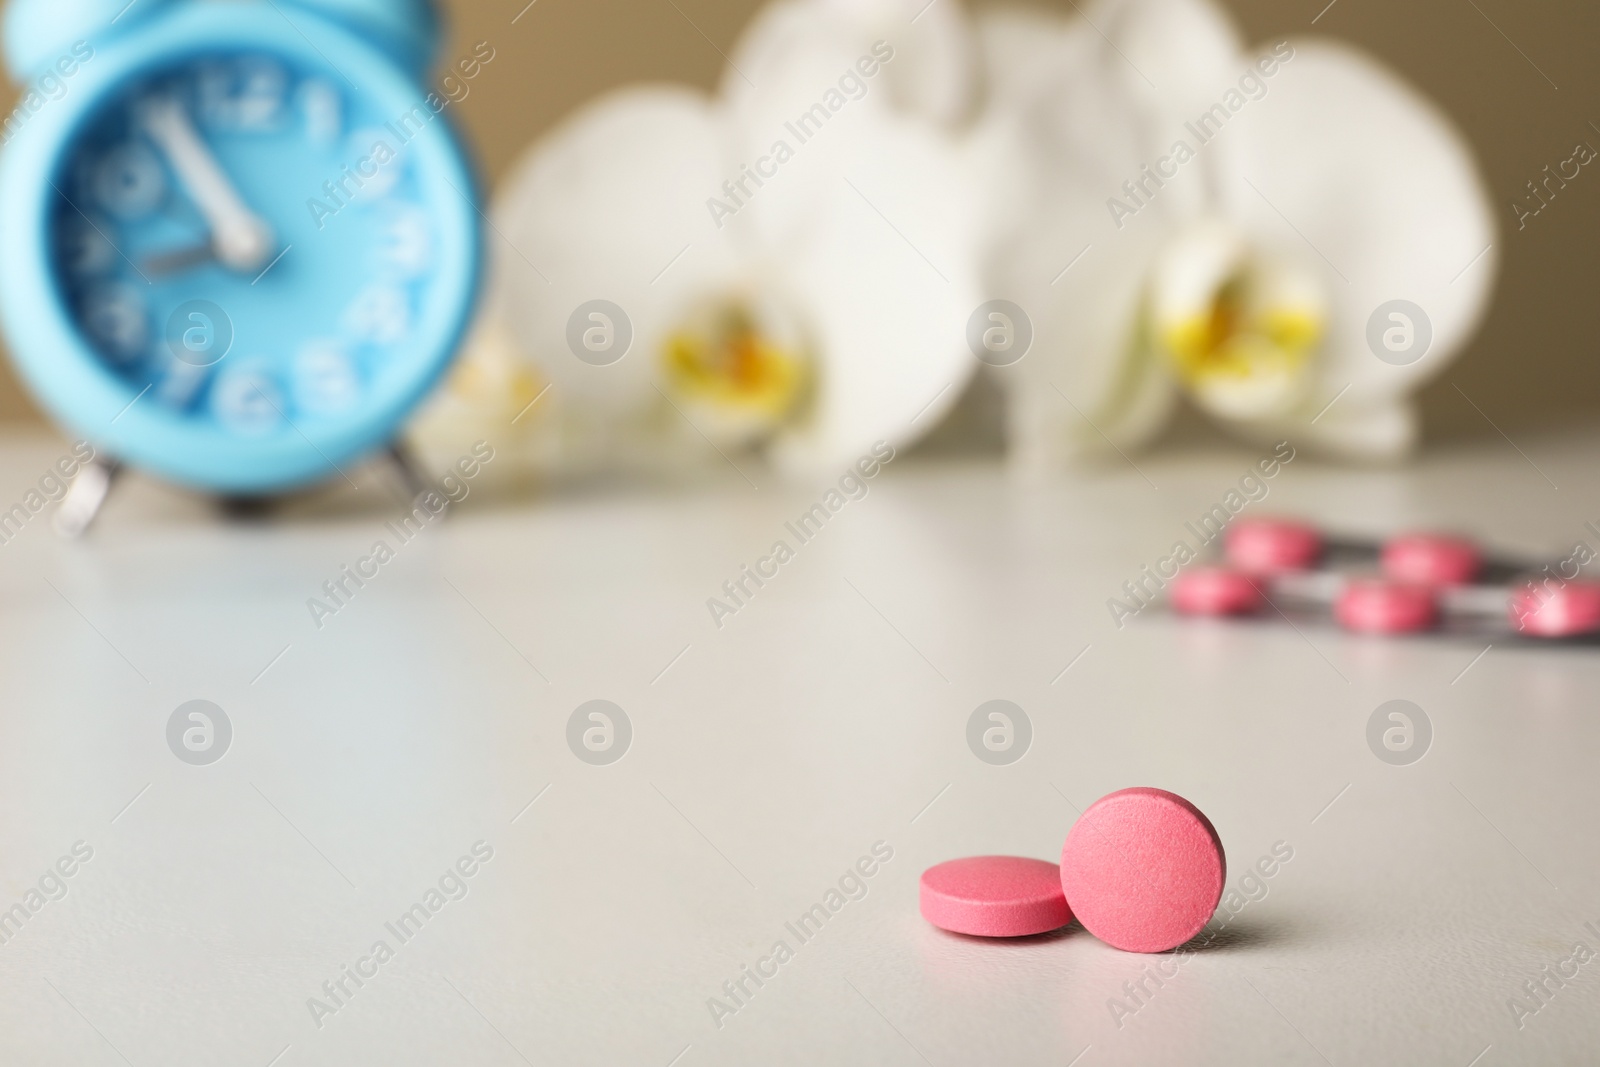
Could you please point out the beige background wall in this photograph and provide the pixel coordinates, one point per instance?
(1534, 364)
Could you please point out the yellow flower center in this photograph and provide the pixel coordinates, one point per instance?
(1233, 340)
(492, 376)
(726, 366)
(1239, 325)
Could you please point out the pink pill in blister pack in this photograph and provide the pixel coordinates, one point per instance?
(1272, 546)
(1381, 606)
(1566, 610)
(1431, 559)
(1428, 581)
(1215, 591)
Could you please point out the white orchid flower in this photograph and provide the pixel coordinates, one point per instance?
(935, 70)
(786, 266)
(1237, 226)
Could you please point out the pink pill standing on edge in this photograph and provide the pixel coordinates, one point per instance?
(1143, 869)
(1381, 606)
(995, 896)
(1431, 559)
(1564, 611)
(1272, 546)
(1215, 591)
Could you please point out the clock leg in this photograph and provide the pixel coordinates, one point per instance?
(411, 476)
(247, 508)
(85, 497)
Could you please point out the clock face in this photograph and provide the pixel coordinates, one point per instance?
(244, 241)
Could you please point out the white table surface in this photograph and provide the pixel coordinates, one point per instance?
(767, 757)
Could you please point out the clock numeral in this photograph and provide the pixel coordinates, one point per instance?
(247, 94)
(261, 97)
(408, 241)
(129, 182)
(380, 315)
(325, 381)
(247, 400)
(323, 111)
(180, 382)
(115, 317)
(377, 157)
(85, 250)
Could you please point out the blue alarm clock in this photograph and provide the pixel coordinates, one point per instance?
(239, 242)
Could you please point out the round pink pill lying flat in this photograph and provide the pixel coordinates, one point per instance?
(1272, 546)
(1431, 559)
(995, 896)
(1143, 870)
(1215, 591)
(1381, 606)
(1564, 611)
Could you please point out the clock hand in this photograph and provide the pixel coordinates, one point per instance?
(179, 259)
(242, 240)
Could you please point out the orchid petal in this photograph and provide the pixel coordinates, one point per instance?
(487, 394)
(931, 75)
(1070, 136)
(883, 265)
(1379, 432)
(1348, 168)
(611, 206)
(1174, 54)
(1316, 171)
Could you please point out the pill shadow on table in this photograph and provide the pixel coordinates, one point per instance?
(1240, 935)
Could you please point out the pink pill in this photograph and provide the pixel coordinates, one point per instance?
(1431, 559)
(1215, 591)
(1143, 869)
(1272, 546)
(1556, 611)
(1381, 606)
(995, 896)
